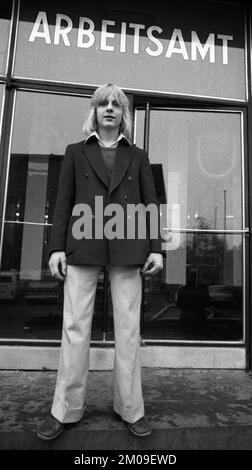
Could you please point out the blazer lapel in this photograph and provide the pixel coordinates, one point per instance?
(123, 158)
(93, 153)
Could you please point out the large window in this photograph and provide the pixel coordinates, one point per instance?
(197, 162)
(31, 300)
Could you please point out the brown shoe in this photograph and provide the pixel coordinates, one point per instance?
(140, 428)
(50, 429)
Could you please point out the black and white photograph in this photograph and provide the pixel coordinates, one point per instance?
(125, 232)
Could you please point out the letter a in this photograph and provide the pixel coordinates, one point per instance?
(45, 34)
(172, 49)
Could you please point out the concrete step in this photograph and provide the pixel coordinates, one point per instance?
(187, 409)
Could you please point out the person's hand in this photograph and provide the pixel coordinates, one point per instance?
(57, 265)
(153, 264)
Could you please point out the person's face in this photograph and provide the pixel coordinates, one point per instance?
(109, 114)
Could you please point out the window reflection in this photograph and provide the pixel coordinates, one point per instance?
(31, 301)
(201, 157)
(44, 125)
(198, 296)
(196, 159)
(32, 188)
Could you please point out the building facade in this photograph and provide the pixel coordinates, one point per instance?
(187, 72)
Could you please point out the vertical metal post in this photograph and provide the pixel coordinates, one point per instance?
(146, 147)
(7, 114)
(225, 210)
(147, 126)
(248, 193)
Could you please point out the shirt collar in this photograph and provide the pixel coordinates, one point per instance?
(95, 135)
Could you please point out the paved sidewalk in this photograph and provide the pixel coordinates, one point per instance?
(187, 409)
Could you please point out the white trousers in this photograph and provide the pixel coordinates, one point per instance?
(79, 295)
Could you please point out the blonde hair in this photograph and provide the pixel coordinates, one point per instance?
(98, 97)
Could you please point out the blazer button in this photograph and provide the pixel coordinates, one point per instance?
(86, 174)
(129, 178)
(125, 197)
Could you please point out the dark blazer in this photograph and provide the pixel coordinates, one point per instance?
(84, 176)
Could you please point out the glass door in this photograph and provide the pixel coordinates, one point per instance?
(197, 162)
(30, 299)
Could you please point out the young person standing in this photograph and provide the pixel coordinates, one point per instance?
(108, 166)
